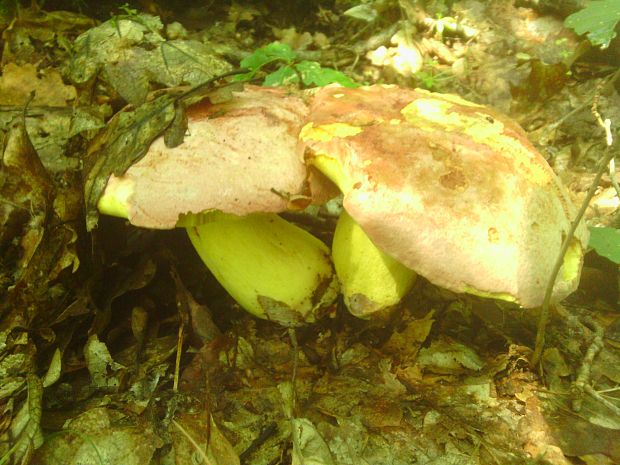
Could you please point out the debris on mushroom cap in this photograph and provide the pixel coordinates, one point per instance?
(451, 189)
(241, 156)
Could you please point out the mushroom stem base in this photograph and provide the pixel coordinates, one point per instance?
(272, 268)
(371, 280)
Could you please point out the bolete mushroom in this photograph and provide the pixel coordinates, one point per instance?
(448, 188)
(372, 282)
(238, 166)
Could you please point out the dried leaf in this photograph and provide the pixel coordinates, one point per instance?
(26, 191)
(125, 140)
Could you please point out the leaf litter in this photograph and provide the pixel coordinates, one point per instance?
(445, 381)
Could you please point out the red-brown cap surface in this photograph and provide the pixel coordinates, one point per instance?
(241, 156)
(451, 189)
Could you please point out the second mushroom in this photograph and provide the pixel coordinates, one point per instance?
(238, 166)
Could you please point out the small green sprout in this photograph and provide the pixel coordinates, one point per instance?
(291, 71)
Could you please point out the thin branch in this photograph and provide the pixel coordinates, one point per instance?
(199, 450)
(585, 370)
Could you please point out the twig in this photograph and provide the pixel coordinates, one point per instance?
(177, 361)
(585, 370)
(197, 448)
(610, 405)
(293, 337)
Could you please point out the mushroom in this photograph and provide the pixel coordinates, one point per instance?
(448, 188)
(372, 282)
(238, 166)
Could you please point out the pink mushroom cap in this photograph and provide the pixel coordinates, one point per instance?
(240, 156)
(451, 189)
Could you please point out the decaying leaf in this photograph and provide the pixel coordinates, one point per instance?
(17, 82)
(125, 140)
(100, 436)
(198, 435)
(26, 194)
(308, 445)
(130, 53)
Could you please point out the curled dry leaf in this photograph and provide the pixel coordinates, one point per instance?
(26, 191)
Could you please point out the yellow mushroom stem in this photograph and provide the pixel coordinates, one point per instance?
(272, 268)
(371, 280)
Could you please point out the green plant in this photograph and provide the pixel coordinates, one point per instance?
(127, 10)
(598, 20)
(606, 243)
(430, 77)
(292, 71)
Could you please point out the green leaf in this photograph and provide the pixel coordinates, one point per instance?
(265, 55)
(598, 20)
(363, 12)
(313, 74)
(606, 242)
(284, 76)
